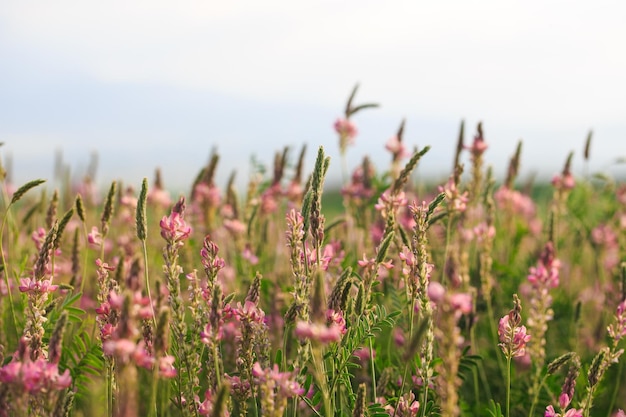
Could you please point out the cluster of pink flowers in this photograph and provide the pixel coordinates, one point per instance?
(390, 202)
(33, 376)
(284, 381)
(572, 412)
(513, 337)
(397, 148)
(456, 200)
(37, 286)
(407, 406)
(478, 146)
(546, 273)
(604, 237)
(208, 194)
(345, 128)
(332, 331)
(563, 181)
(512, 333)
(617, 330)
(206, 407)
(358, 189)
(174, 229)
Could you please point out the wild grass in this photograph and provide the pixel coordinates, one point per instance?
(474, 298)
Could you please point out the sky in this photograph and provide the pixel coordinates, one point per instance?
(162, 83)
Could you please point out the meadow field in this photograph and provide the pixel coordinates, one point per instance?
(479, 296)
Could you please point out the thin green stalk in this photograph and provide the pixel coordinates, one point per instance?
(616, 387)
(536, 396)
(152, 404)
(406, 365)
(447, 249)
(373, 370)
(6, 274)
(145, 268)
(494, 334)
(508, 385)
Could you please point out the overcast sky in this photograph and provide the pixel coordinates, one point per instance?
(159, 83)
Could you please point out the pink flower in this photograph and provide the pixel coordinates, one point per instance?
(563, 182)
(249, 312)
(174, 229)
(550, 412)
(347, 129)
(436, 291)
(513, 337)
(396, 147)
(461, 302)
(234, 226)
(94, 237)
(29, 284)
(166, 366)
(249, 256)
(319, 332)
(159, 197)
(286, 385)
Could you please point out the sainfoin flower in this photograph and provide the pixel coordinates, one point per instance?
(347, 129)
(35, 376)
(284, 381)
(512, 334)
(174, 229)
(32, 285)
(572, 412)
(319, 332)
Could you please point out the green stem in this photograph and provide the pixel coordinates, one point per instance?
(6, 274)
(508, 385)
(616, 387)
(373, 370)
(536, 396)
(447, 248)
(406, 365)
(145, 267)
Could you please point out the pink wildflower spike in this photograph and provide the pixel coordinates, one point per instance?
(620, 413)
(396, 147)
(174, 229)
(347, 129)
(564, 400)
(512, 337)
(479, 146)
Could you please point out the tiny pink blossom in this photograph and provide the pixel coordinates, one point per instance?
(396, 147)
(166, 366)
(347, 129)
(94, 237)
(436, 291)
